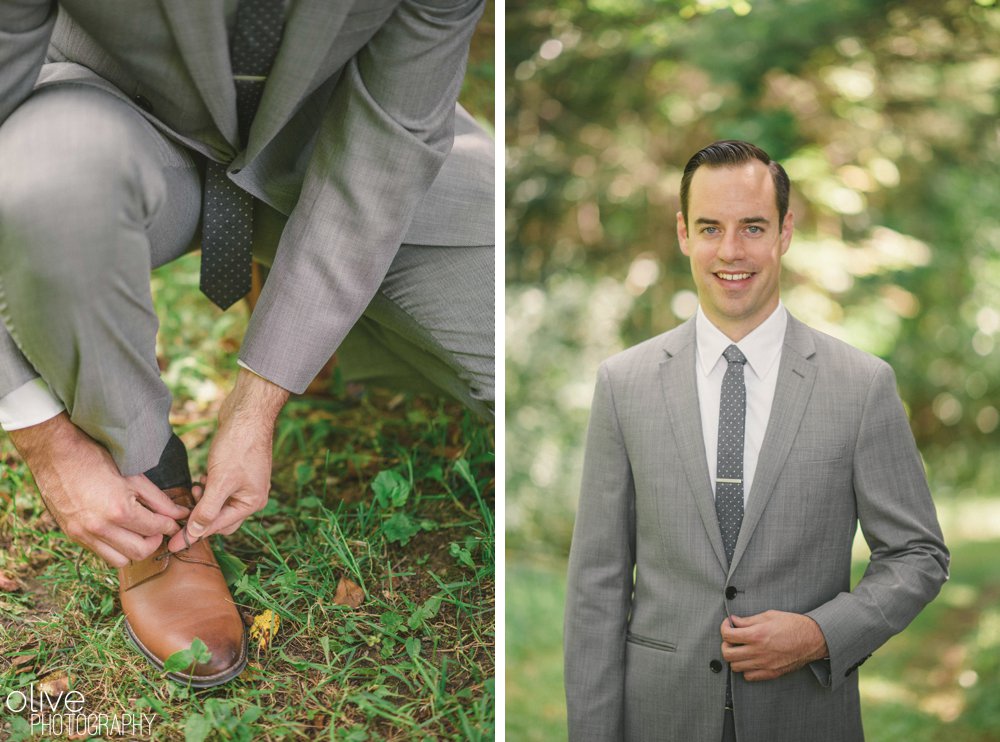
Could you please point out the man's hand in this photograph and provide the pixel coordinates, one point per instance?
(770, 644)
(239, 461)
(118, 518)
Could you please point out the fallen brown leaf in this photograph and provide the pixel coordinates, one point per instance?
(8, 583)
(348, 593)
(54, 684)
(22, 662)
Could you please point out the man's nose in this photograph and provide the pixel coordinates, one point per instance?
(731, 248)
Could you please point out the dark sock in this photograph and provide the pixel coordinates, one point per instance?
(172, 471)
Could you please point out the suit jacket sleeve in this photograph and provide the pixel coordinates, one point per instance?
(599, 587)
(909, 561)
(382, 140)
(25, 28)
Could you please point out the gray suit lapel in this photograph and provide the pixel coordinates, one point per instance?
(680, 392)
(796, 375)
(200, 31)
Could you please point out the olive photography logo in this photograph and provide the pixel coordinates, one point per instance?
(36, 711)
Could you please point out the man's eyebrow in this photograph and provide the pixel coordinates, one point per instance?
(744, 220)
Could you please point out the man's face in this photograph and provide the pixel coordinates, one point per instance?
(734, 244)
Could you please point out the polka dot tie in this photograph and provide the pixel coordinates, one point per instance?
(729, 477)
(227, 214)
(729, 473)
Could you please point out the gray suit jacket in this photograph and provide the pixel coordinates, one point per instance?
(351, 140)
(648, 580)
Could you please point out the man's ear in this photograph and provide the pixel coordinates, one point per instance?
(787, 227)
(682, 233)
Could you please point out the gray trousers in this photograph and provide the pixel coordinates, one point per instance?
(93, 197)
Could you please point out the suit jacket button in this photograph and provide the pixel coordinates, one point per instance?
(731, 592)
(715, 666)
(143, 103)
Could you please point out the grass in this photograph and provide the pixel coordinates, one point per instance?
(535, 700)
(937, 681)
(393, 492)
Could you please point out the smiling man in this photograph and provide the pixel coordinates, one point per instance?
(728, 464)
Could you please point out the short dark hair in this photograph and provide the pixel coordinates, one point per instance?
(730, 152)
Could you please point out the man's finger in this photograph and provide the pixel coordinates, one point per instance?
(742, 657)
(216, 525)
(108, 554)
(733, 635)
(755, 676)
(154, 499)
(130, 545)
(231, 517)
(741, 667)
(725, 630)
(229, 520)
(735, 652)
(133, 546)
(743, 622)
(206, 511)
(147, 523)
(178, 543)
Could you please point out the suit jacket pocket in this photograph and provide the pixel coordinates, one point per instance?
(645, 641)
(816, 454)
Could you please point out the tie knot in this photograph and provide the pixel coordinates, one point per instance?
(734, 355)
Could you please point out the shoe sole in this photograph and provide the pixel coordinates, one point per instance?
(195, 681)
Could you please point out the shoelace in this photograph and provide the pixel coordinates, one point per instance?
(183, 556)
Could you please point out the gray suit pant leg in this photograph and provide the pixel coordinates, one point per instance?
(92, 197)
(430, 327)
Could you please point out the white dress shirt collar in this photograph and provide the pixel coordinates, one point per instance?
(762, 347)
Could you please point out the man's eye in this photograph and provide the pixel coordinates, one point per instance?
(753, 229)
(710, 230)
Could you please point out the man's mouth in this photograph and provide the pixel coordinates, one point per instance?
(733, 276)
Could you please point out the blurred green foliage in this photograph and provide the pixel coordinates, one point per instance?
(885, 116)
(479, 87)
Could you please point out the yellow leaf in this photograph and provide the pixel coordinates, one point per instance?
(265, 628)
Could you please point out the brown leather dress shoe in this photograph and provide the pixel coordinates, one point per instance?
(170, 599)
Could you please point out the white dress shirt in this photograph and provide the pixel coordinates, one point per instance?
(30, 404)
(762, 349)
(33, 403)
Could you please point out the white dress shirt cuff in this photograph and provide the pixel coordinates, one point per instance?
(30, 404)
(239, 362)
